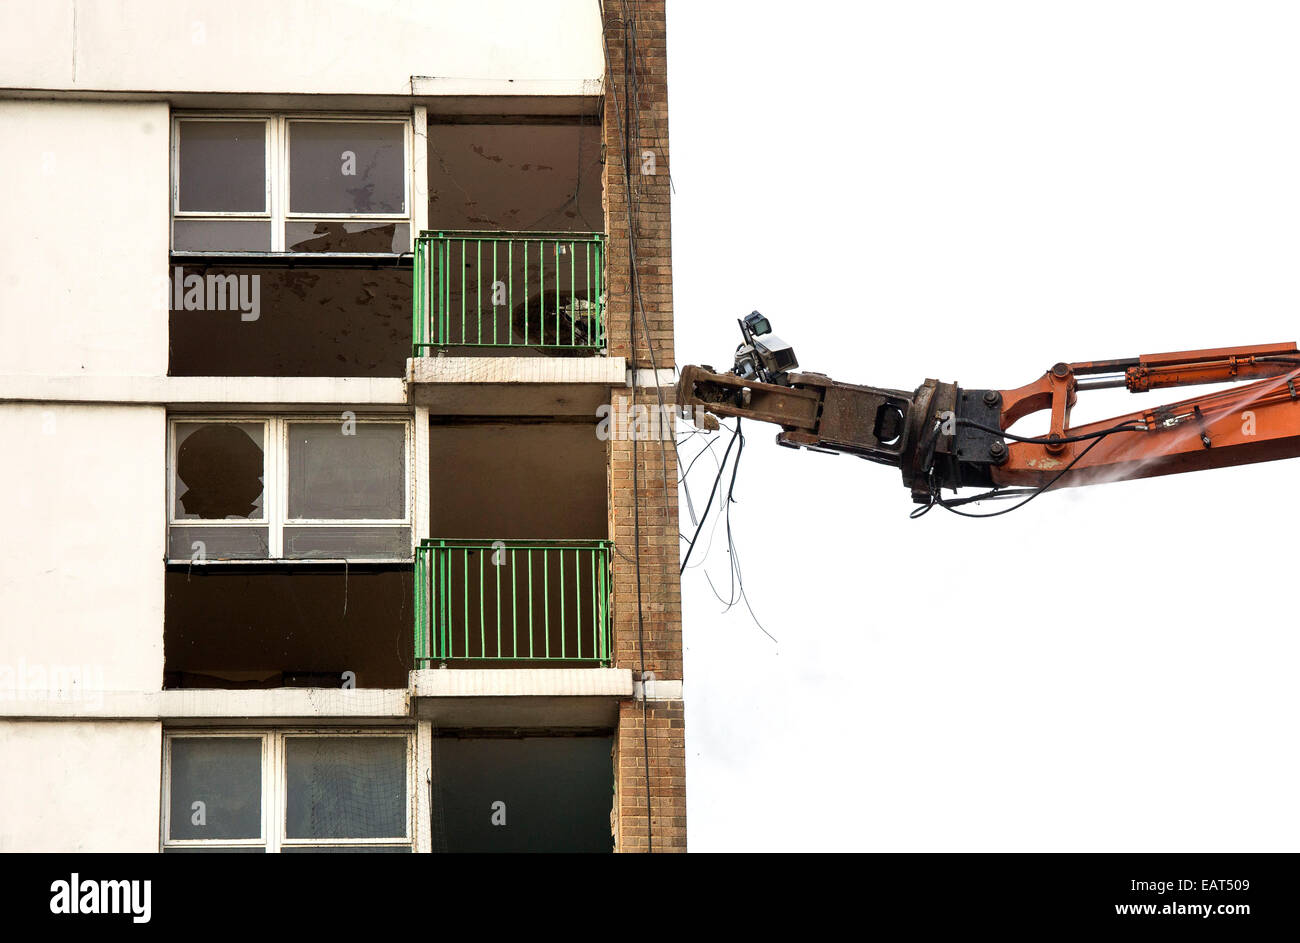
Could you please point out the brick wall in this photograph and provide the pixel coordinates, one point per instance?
(645, 294)
(646, 118)
(665, 724)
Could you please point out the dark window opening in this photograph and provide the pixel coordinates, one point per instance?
(536, 794)
(518, 480)
(276, 625)
(538, 177)
(299, 320)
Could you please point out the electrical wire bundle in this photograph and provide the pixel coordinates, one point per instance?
(736, 590)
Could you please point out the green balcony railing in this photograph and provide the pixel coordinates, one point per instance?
(508, 289)
(512, 601)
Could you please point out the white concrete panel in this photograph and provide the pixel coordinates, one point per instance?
(647, 378)
(656, 690)
(80, 786)
(421, 478)
(178, 391)
(81, 563)
(36, 44)
(522, 682)
(423, 777)
(604, 371)
(361, 46)
(286, 702)
(85, 181)
(202, 704)
(520, 386)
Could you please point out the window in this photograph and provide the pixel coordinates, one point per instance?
(346, 168)
(297, 184)
(311, 488)
(287, 791)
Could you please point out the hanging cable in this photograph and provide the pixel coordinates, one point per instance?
(712, 493)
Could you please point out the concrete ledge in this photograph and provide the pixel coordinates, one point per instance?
(514, 386)
(658, 690)
(206, 391)
(439, 86)
(286, 702)
(562, 97)
(514, 698)
(521, 697)
(262, 703)
(522, 682)
(607, 371)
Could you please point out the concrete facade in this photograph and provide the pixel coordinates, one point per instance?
(89, 94)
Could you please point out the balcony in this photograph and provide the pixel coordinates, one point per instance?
(520, 602)
(499, 290)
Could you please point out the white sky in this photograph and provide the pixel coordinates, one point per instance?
(971, 192)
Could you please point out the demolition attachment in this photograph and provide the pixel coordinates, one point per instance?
(943, 436)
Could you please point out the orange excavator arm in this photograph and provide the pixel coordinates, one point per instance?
(943, 436)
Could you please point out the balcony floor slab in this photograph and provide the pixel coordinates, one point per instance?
(513, 386)
(532, 698)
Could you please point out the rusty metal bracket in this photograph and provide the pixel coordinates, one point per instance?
(727, 395)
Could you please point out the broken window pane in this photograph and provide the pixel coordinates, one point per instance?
(335, 235)
(216, 787)
(222, 166)
(347, 471)
(347, 167)
(218, 471)
(345, 787)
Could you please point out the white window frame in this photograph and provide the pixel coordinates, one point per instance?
(268, 473)
(275, 797)
(267, 159)
(407, 139)
(277, 176)
(275, 485)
